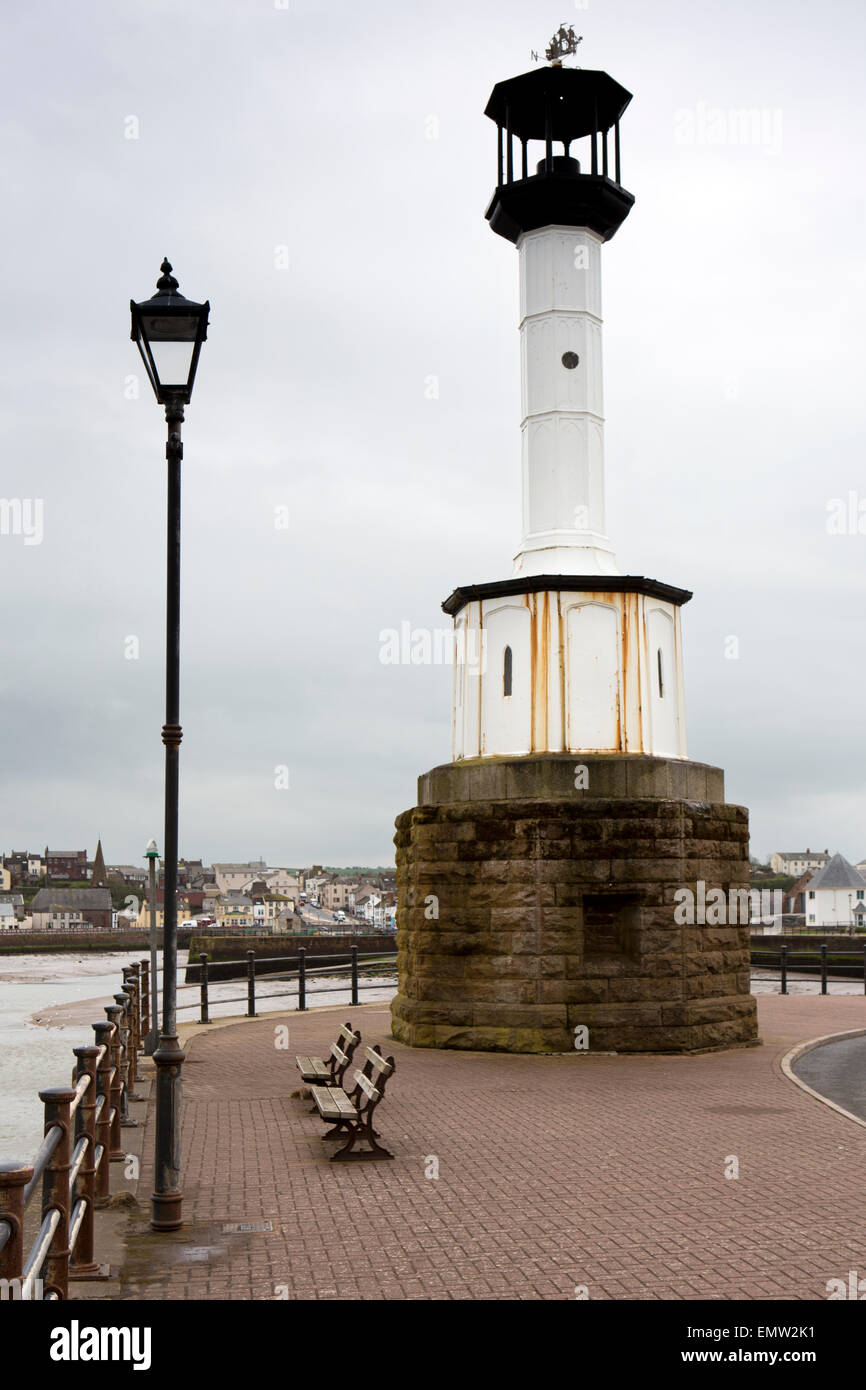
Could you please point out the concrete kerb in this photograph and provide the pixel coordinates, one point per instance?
(787, 1066)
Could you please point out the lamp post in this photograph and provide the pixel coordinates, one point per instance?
(151, 854)
(169, 331)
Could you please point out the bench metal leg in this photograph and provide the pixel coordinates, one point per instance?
(349, 1153)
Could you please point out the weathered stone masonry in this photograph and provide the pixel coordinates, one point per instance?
(557, 911)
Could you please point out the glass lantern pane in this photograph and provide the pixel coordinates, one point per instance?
(172, 362)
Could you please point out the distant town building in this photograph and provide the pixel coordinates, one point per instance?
(232, 877)
(235, 910)
(335, 895)
(24, 867)
(797, 861)
(72, 907)
(65, 864)
(836, 895)
(126, 873)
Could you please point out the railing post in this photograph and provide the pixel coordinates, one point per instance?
(823, 967)
(251, 984)
(783, 952)
(354, 976)
(145, 998)
(124, 1001)
(302, 978)
(113, 1012)
(103, 1124)
(130, 985)
(139, 1025)
(14, 1177)
(205, 1017)
(55, 1190)
(83, 1265)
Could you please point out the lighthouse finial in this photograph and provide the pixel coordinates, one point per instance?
(562, 45)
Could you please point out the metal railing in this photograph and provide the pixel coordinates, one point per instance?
(300, 976)
(73, 1166)
(811, 962)
(305, 927)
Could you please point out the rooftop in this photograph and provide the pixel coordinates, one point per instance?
(838, 873)
(64, 898)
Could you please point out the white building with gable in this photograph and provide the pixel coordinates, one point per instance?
(836, 896)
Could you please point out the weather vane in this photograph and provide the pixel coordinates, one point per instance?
(562, 45)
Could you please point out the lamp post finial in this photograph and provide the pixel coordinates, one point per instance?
(166, 282)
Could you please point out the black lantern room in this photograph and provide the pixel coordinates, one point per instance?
(565, 107)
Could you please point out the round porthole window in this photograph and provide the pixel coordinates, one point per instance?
(570, 360)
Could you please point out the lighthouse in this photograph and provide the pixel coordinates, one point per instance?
(540, 873)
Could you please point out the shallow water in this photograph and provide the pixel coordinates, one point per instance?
(32, 1057)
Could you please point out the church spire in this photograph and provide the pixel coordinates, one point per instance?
(98, 875)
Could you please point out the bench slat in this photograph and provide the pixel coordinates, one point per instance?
(378, 1061)
(333, 1102)
(366, 1086)
(339, 1054)
(313, 1066)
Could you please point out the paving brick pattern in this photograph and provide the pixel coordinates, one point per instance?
(554, 1172)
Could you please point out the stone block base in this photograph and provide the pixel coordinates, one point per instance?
(526, 919)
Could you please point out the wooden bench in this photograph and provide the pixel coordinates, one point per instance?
(330, 1072)
(351, 1113)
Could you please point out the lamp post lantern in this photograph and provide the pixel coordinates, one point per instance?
(151, 854)
(169, 330)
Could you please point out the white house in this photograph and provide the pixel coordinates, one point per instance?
(797, 861)
(836, 895)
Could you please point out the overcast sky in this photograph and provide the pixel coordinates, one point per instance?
(284, 163)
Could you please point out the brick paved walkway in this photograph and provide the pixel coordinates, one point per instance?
(607, 1172)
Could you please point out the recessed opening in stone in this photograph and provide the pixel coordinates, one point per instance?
(611, 923)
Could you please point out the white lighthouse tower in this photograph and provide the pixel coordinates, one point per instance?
(569, 655)
(540, 873)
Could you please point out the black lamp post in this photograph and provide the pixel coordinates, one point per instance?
(169, 331)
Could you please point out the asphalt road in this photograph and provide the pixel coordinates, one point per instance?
(837, 1071)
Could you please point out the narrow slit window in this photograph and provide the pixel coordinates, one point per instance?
(661, 674)
(507, 664)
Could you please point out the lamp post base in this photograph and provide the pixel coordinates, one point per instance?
(167, 1197)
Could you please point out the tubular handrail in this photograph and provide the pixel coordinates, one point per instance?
(39, 1250)
(80, 1091)
(70, 1165)
(47, 1150)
